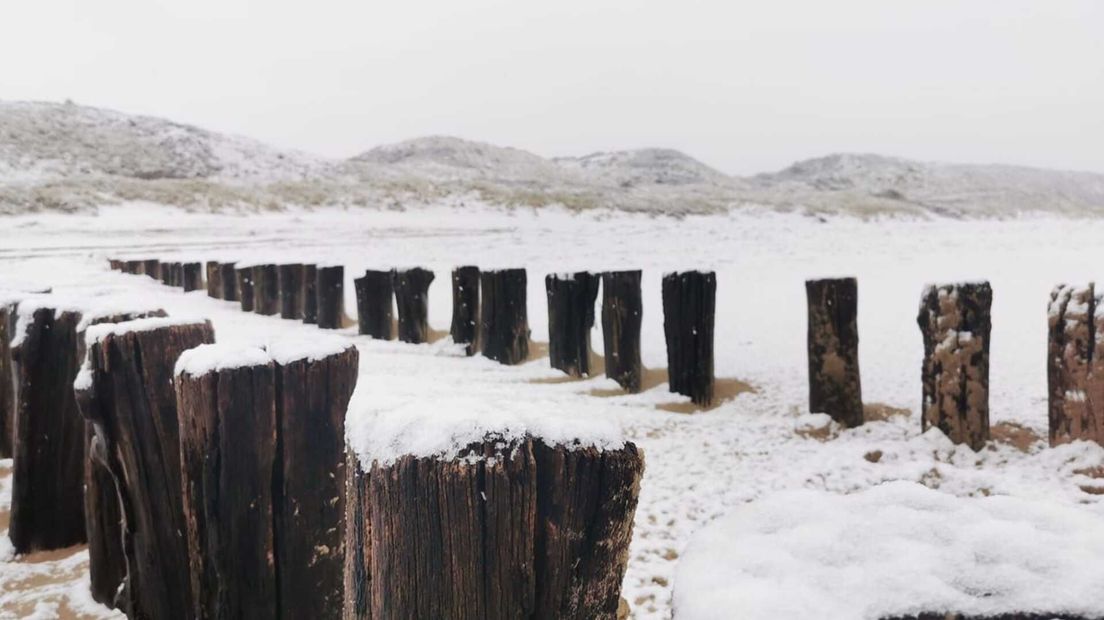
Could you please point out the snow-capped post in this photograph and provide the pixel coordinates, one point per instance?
(310, 294)
(152, 268)
(103, 520)
(290, 279)
(689, 305)
(465, 307)
(191, 277)
(243, 278)
(571, 298)
(412, 301)
(374, 291)
(622, 313)
(329, 287)
(833, 344)
(266, 289)
(134, 267)
(228, 281)
(955, 325)
(214, 279)
(127, 395)
(7, 385)
(503, 316)
(116, 264)
(1075, 364)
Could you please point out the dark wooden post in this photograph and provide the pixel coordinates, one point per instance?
(228, 278)
(622, 315)
(412, 301)
(152, 268)
(103, 522)
(165, 271)
(330, 295)
(7, 381)
(178, 275)
(312, 397)
(1075, 364)
(571, 300)
(134, 266)
(116, 264)
(129, 399)
(291, 291)
(243, 277)
(214, 279)
(504, 318)
(465, 308)
(266, 290)
(954, 322)
(226, 400)
(310, 294)
(689, 304)
(374, 291)
(833, 343)
(192, 278)
(541, 533)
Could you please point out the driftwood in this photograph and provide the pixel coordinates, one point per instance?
(504, 318)
(330, 295)
(622, 314)
(571, 300)
(191, 277)
(465, 308)
(229, 281)
(291, 291)
(955, 325)
(243, 277)
(689, 304)
(536, 532)
(412, 301)
(1075, 364)
(130, 401)
(310, 294)
(214, 279)
(266, 290)
(7, 381)
(374, 291)
(833, 344)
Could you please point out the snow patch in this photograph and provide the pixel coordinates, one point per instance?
(215, 357)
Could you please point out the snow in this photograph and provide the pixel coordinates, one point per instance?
(895, 549)
(92, 305)
(208, 358)
(97, 333)
(312, 349)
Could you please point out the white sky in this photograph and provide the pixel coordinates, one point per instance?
(744, 86)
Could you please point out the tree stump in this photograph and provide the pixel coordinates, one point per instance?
(228, 279)
(7, 385)
(465, 308)
(330, 295)
(412, 301)
(833, 343)
(571, 300)
(214, 279)
(504, 318)
(374, 291)
(622, 314)
(243, 277)
(103, 522)
(502, 531)
(689, 304)
(266, 290)
(129, 399)
(310, 294)
(1075, 365)
(191, 277)
(955, 325)
(152, 268)
(291, 291)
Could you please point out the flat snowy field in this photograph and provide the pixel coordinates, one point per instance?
(756, 443)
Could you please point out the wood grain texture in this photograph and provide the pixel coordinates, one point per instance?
(622, 316)
(464, 328)
(330, 297)
(503, 316)
(412, 301)
(571, 300)
(689, 306)
(832, 342)
(374, 293)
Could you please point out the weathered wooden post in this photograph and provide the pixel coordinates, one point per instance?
(228, 278)
(116, 264)
(310, 294)
(622, 315)
(833, 343)
(955, 325)
(1075, 364)
(103, 520)
(134, 267)
(165, 271)
(689, 304)
(290, 279)
(191, 277)
(178, 275)
(330, 295)
(412, 301)
(214, 279)
(7, 382)
(505, 529)
(571, 298)
(374, 291)
(266, 290)
(465, 308)
(504, 317)
(127, 394)
(152, 268)
(243, 277)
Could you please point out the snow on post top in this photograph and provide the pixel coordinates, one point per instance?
(898, 549)
(214, 357)
(312, 349)
(91, 307)
(442, 426)
(97, 333)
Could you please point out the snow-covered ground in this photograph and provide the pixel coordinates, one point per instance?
(756, 442)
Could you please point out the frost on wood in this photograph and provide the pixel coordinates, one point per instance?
(374, 291)
(504, 316)
(833, 343)
(571, 300)
(955, 325)
(622, 316)
(1075, 364)
(412, 302)
(689, 303)
(329, 286)
(464, 328)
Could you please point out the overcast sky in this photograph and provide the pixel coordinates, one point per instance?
(743, 86)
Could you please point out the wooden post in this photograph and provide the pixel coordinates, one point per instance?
(689, 304)
(128, 397)
(622, 315)
(266, 290)
(228, 277)
(571, 300)
(310, 294)
(1075, 364)
(504, 318)
(165, 271)
(7, 382)
(534, 532)
(412, 301)
(116, 264)
(955, 325)
(152, 268)
(243, 277)
(330, 294)
(134, 266)
(356, 581)
(833, 343)
(465, 308)
(103, 519)
(374, 291)
(214, 279)
(178, 275)
(192, 278)
(291, 291)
